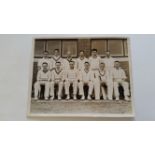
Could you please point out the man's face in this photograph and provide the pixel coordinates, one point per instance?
(102, 65)
(56, 53)
(58, 65)
(82, 54)
(94, 53)
(45, 54)
(69, 54)
(108, 54)
(71, 64)
(117, 64)
(87, 66)
(45, 67)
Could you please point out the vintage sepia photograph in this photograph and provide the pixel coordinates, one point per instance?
(81, 77)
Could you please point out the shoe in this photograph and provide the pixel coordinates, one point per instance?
(46, 99)
(59, 97)
(82, 98)
(106, 98)
(36, 98)
(89, 97)
(52, 98)
(68, 97)
(117, 99)
(127, 98)
(74, 97)
(109, 98)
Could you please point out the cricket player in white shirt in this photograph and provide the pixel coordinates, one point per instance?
(108, 61)
(66, 62)
(44, 59)
(119, 78)
(71, 77)
(43, 78)
(102, 78)
(86, 78)
(94, 60)
(56, 58)
(57, 78)
(81, 61)
(109, 66)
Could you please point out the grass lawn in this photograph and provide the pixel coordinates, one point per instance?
(80, 107)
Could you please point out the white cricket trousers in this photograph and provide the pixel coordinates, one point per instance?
(60, 87)
(110, 83)
(81, 85)
(99, 88)
(125, 86)
(67, 85)
(37, 88)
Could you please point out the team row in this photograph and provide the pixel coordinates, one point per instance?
(94, 78)
(94, 60)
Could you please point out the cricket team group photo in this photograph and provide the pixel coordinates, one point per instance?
(91, 72)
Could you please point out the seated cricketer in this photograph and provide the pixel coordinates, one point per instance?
(43, 78)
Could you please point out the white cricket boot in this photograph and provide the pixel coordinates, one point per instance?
(127, 98)
(82, 98)
(117, 99)
(46, 98)
(74, 97)
(89, 97)
(36, 98)
(52, 98)
(68, 97)
(59, 97)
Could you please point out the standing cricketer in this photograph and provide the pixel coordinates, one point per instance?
(44, 59)
(81, 61)
(109, 66)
